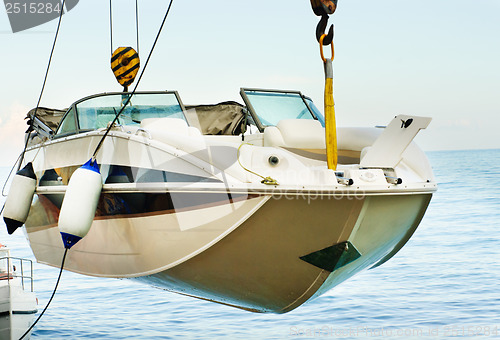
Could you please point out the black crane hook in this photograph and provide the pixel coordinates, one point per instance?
(321, 29)
(324, 8)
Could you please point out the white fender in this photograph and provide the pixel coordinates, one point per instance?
(18, 203)
(80, 203)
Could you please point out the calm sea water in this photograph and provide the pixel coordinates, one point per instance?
(444, 282)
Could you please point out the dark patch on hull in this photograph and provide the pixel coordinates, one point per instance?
(334, 257)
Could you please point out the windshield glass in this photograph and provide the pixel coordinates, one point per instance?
(68, 125)
(271, 107)
(316, 111)
(97, 112)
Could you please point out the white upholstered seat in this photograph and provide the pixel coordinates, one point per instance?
(296, 133)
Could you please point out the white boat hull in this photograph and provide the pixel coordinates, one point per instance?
(246, 253)
(198, 223)
(17, 311)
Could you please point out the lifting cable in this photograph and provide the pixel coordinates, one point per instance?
(130, 95)
(137, 24)
(111, 24)
(31, 122)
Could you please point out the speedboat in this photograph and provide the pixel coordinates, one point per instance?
(18, 303)
(231, 203)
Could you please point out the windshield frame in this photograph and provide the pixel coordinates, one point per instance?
(261, 126)
(73, 107)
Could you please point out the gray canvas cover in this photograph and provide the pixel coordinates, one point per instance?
(218, 119)
(49, 117)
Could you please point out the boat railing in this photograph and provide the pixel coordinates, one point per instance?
(16, 267)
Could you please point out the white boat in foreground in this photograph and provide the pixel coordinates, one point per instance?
(18, 303)
(229, 203)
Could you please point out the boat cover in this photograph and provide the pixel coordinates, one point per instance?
(218, 119)
(49, 117)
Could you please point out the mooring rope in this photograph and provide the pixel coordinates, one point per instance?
(265, 180)
(50, 300)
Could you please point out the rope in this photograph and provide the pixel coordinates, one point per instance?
(44, 82)
(265, 180)
(10, 173)
(7, 180)
(50, 300)
(136, 85)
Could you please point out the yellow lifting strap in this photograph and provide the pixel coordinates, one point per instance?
(125, 64)
(330, 124)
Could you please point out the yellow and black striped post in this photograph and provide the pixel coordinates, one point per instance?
(125, 64)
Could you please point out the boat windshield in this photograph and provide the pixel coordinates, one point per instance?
(97, 111)
(272, 106)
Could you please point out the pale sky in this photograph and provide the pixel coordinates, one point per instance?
(438, 58)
